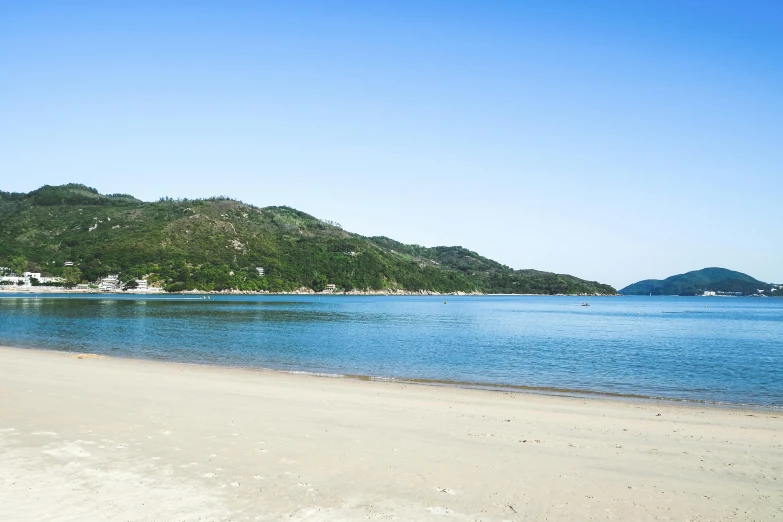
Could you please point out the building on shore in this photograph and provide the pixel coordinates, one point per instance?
(27, 279)
(110, 283)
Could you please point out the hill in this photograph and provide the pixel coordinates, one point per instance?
(217, 243)
(699, 281)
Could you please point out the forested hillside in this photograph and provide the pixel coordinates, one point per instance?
(699, 281)
(217, 243)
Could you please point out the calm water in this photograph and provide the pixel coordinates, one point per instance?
(712, 349)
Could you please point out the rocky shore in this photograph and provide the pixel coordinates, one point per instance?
(298, 291)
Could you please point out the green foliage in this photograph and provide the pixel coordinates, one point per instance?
(176, 287)
(18, 265)
(216, 244)
(72, 275)
(319, 285)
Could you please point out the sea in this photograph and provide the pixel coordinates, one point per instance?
(718, 350)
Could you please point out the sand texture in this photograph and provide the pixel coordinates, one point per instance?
(112, 439)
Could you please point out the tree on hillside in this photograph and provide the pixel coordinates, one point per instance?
(72, 276)
(319, 284)
(18, 265)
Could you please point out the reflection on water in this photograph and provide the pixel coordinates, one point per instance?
(728, 349)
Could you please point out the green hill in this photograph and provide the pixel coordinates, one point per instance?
(217, 243)
(697, 282)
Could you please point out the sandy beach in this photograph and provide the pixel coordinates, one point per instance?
(93, 438)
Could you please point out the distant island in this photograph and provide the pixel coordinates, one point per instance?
(72, 236)
(708, 281)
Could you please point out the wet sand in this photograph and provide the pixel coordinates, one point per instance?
(96, 438)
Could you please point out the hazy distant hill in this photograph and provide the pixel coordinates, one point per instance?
(697, 282)
(217, 243)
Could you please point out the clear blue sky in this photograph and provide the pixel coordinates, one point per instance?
(614, 141)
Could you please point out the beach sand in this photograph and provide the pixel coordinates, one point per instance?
(97, 438)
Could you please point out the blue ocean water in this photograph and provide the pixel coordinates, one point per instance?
(697, 348)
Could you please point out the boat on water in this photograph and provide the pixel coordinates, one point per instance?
(585, 304)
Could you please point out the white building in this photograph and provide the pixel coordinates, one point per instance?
(330, 287)
(708, 293)
(141, 284)
(260, 270)
(26, 279)
(109, 283)
(68, 263)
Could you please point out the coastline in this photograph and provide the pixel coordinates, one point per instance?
(259, 319)
(97, 438)
(502, 388)
(159, 291)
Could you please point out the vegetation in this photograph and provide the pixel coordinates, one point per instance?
(699, 281)
(217, 243)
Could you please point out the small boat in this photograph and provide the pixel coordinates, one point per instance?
(585, 304)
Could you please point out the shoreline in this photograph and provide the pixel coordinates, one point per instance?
(104, 438)
(437, 383)
(158, 291)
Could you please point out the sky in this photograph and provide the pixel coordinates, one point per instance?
(614, 141)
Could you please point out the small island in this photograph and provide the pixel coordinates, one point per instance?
(706, 282)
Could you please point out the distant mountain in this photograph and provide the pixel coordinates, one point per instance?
(699, 281)
(218, 243)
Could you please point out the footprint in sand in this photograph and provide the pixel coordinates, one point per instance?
(439, 511)
(67, 451)
(444, 490)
